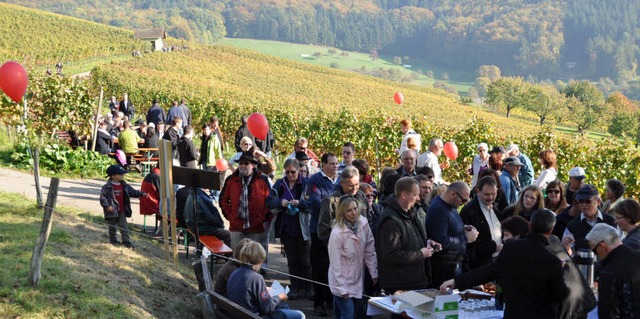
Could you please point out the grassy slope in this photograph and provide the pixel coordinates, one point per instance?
(83, 275)
(354, 61)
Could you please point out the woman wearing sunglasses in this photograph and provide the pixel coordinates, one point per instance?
(555, 200)
(288, 203)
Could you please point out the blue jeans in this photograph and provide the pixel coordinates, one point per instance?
(349, 308)
(287, 314)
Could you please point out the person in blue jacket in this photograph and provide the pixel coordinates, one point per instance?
(247, 288)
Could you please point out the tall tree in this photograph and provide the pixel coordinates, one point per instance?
(544, 101)
(509, 92)
(588, 112)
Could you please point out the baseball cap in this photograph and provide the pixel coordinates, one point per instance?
(512, 147)
(115, 169)
(577, 173)
(587, 191)
(483, 145)
(152, 125)
(513, 160)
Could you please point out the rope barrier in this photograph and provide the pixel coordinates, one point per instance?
(161, 240)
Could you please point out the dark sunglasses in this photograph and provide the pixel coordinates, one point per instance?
(346, 153)
(464, 200)
(595, 248)
(553, 191)
(290, 172)
(370, 196)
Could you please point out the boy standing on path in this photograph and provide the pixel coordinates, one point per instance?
(114, 199)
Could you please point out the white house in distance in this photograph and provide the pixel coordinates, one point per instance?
(155, 35)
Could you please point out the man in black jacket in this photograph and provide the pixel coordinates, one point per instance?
(156, 114)
(401, 240)
(480, 213)
(588, 201)
(531, 275)
(619, 278)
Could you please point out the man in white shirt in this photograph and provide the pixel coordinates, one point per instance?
(430, 159)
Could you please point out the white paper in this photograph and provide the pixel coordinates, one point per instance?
(277, 289)
(206, 252)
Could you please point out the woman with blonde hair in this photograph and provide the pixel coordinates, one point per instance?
(351, 247)
(550, 173)
(530, 200)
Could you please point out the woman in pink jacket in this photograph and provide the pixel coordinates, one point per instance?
(351, 246)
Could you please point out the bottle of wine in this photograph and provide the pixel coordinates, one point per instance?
(499, 297)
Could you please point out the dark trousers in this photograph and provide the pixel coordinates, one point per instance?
(298, 253)
(443, 270)
(320, 267)
(119, 223)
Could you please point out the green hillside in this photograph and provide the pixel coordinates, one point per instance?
(35, 37)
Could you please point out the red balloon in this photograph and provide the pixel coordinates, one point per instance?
(258, 125)
(398, 97)
(222, 164)
(13, 80)
(450, 150)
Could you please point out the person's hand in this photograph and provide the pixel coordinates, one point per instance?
(444, 164)
(110, 209)
(567, 242)
(285, 203)
(260, 153)
(426, 251)
(472, 235)
(436, 246)
(283, 296)
(447, 286)
(375, 281)
(499, 247)
(294, 202)
(145, 195)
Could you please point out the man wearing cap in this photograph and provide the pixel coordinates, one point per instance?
(156, 114)
(496, 157)
(304, 159)
(525, 176)
(619, 278)
(430, 159)
(588, 199)
(509, 179)
(576, 181)
(243, 201)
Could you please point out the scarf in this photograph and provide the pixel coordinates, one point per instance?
(243, 210)
(352, 227)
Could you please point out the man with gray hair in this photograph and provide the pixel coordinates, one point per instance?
(349, 185)
(444, 225)
(408, 159)
(430, 159)
(525, 176)
(619, 278)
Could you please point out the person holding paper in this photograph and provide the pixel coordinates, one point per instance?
(351, 246)
(247, 288)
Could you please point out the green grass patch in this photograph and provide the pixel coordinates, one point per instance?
(82, 275)
(462, 81)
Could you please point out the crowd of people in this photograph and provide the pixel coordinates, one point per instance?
(347, 237)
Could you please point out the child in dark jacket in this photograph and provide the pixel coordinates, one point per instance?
(115, 202)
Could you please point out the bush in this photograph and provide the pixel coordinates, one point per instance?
(56, 159)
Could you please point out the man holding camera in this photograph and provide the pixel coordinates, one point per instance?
(401, 243)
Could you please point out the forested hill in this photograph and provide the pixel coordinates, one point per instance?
(542, 38)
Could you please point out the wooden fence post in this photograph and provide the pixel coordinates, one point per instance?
(36, 174)
(38, 250)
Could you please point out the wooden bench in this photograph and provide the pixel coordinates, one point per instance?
(213, 243)
(224, 308)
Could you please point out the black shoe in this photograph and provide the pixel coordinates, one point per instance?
(311, 295)
(320, 311)
(128, 244)
(115, 243)
(293, 295)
